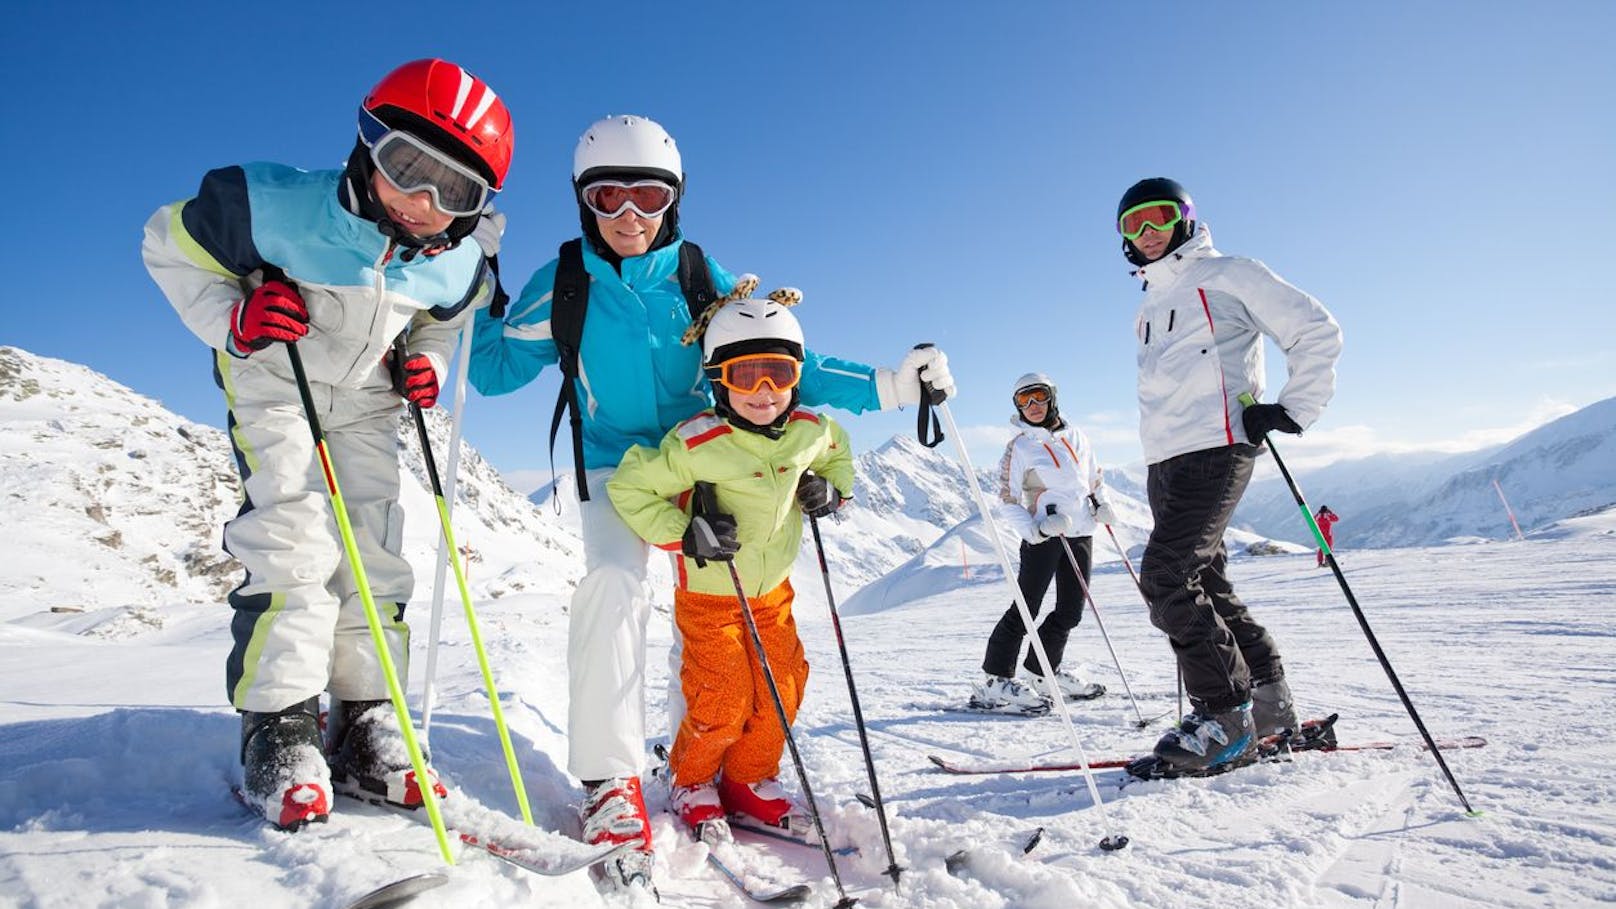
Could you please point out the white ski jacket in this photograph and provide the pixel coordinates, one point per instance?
(1200, 331)
(1042, 468)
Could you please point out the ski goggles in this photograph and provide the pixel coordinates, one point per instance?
(413, 166)
(747, 374)
(1153, 215)
(1033, 394)
(648, 198)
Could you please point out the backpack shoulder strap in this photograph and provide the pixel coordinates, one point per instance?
(695, 279)
(569, 304)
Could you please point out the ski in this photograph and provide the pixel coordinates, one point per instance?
(732, 867)
(400, 890)
(1316, 735)
(742, 824)
(532, 849)
(1009, 713)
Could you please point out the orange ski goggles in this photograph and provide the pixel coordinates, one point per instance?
(1033, 394)
(746, 374)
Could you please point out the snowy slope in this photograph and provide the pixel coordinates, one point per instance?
(116, 753)
(112, 788)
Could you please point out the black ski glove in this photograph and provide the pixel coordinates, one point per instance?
(817, 496)
(1262, 419)
(710, 537)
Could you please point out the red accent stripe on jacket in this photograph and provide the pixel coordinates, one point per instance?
(708, 436)
(1223, 385)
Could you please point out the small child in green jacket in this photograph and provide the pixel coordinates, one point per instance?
(768, 462)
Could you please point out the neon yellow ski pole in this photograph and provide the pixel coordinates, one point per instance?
(395, 692)
(511, 764)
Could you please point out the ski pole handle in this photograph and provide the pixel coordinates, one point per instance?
(929, 398)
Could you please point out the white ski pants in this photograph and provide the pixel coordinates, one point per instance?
(606, 644)
(299, 625)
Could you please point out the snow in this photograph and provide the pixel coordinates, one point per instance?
(117, 752)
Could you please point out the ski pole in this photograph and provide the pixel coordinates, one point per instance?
(511, 764)
(442, 563)
(339, 508)
(1095, 608)
(1363, 622)
(1128, 564)
(858, 713)
(1112, 841)
(785, 726)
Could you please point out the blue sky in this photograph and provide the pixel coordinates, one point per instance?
(937, 171)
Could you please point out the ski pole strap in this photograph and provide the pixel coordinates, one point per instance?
(929, 397)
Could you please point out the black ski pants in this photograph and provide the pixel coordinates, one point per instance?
(1041, 562)
(1219, 647)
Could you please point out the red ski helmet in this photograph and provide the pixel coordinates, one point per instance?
(450, 109)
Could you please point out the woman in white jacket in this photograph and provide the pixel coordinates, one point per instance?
(1049, 487)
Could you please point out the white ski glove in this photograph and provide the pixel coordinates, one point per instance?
(1055, 525)
(490, 228)
(1103, 513)
(901, 387)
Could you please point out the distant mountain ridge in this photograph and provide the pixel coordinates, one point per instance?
(1560, 470)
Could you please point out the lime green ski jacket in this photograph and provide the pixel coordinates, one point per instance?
(756, 479)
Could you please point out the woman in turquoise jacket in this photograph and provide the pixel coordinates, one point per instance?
(635, 382)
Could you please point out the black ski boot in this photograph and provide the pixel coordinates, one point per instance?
(1272, 710)
(368, 757)
(284, 775)
(1206, 743)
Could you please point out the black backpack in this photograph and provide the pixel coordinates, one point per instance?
(568, 306)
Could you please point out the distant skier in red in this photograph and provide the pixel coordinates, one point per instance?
(1326, 519)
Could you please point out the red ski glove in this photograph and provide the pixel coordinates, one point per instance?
(273, 312)
(417, 382)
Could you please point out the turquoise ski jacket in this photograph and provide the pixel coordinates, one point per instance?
(635, 380)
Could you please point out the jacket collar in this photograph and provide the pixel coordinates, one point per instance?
(1168, 268)
(1037, 433)
(638, 272)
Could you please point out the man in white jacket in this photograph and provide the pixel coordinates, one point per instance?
(1200, 332)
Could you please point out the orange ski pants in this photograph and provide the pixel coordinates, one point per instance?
(730, 720)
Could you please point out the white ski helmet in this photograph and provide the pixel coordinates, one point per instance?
(750, 326)
(1034, 378)
(626, 144)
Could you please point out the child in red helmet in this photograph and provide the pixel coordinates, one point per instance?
(341, 263)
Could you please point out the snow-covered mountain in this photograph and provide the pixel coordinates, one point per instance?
(1559, 470)
(135, 496)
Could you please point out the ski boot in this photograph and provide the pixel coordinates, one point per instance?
(1273, 713)
(1073, 686)
(614, 812)
(998, 694)
(284, 775)
(765, 803)
(368, 757)
(697, 805)
(1205, 743)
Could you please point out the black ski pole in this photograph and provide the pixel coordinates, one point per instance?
(1095, 608)
(1363, 622)
(858, 713)
(791, 743)
(705, 492)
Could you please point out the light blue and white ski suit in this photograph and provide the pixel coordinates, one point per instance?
(299, 625)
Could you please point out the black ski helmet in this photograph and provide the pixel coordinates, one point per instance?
(1157, 189)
